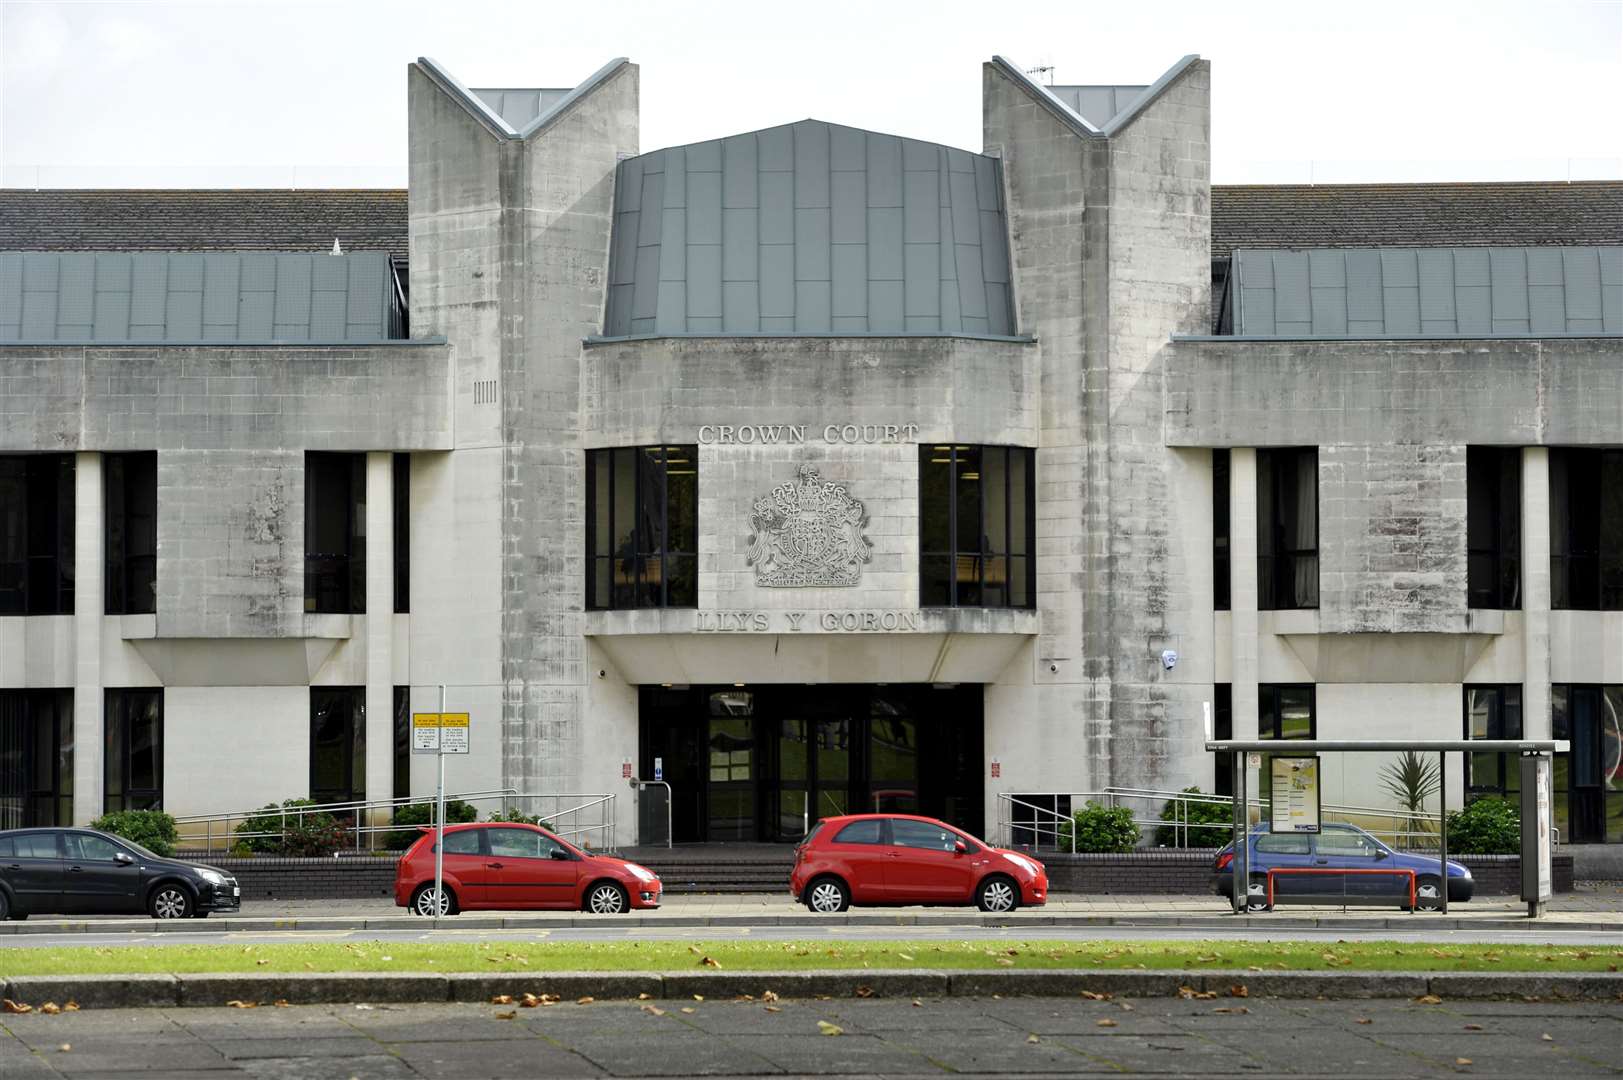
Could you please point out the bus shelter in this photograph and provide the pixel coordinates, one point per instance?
(1536, 757)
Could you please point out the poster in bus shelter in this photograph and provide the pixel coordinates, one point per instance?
(1295, 794)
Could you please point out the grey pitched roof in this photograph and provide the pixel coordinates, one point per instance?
(809, 228)
(519, 107)
(1098, 105)
(170, 297)
(1407, 292)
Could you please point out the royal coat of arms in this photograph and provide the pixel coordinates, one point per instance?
(808, 532)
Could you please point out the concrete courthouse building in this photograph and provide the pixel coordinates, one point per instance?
(828, 470)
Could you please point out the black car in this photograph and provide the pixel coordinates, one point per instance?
(84, 872)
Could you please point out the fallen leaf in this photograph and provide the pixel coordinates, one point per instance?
(1428, 999)
(364, 1008)
(1239, 991)
(769, 996)
(1547, 1037)
(1473, 1027)
(502, 999)
(387, 958)
(281, 1003)
(64, 1048)
(50, 1008)
(689, 1009)
(1106, 1022)
(705, 961)
(698, 997)
(645, 997)
(15, 1006)
(1091, 996)
(1032, 1039)
(1189, 993)
(903, 956)
(1004, 961)
(653, 1010)
(71, 1006)
(829, 1029)
(917, 1004)
(1365, 1020)
(587, 1000)
(508, 1015)
(1462, 1061)
(261, 963)
(236, 1003)
(864, 991)
(1236, 1010)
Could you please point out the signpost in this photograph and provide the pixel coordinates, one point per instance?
(439, 733)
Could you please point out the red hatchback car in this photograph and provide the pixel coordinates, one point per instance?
(500, 865)
(901, 859)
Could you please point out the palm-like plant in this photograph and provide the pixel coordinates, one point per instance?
(1412, 779)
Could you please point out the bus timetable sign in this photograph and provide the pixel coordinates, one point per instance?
(439, 733)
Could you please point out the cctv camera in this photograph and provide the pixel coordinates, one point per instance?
(1169, 659)
(602, 674)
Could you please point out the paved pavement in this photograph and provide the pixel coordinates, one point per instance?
(879, 1037)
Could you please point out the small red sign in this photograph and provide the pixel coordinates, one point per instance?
(997, 769)
(625, 770)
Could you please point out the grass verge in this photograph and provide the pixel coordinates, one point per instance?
(802, 956)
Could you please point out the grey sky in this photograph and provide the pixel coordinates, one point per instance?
(229, 94)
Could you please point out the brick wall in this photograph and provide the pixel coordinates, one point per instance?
(360, 877)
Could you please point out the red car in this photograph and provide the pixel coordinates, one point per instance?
(902, 859)
(504, 866)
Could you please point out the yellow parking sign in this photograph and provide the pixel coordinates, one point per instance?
(435, 733)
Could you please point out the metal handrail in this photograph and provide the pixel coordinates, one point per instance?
(565, 818)
(1045, 823)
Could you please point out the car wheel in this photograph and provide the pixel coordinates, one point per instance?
(606, 898)
(1256, 895)
(171, 901)
(828, 896)
(427, 903)
(997, 894)
(1428, 893)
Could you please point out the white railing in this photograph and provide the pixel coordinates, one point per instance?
(585, 820)
(1022, 823)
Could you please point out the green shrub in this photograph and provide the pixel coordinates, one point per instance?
(1485, 827)
(517, 817)
(1100, 829)
(1210, 824)
(457, 812)
(307, 834)
(152, 829)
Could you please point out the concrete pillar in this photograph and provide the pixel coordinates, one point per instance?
(88, 606)
(1536, 592)
(1243, 597)
(379, 625)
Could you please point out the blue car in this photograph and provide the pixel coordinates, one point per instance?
(1337, 847)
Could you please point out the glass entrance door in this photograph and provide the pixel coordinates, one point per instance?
(813, 770)
(730, 743)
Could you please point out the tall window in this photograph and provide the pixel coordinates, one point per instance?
(337, 743)
(1588, 780)
(976, 526)
(334, 533)
(402, 533)
(1220, 530)
(1285, 711)
(1223, 728)
(642, 527)
(1287, 529)
(132, 764)
(402, 742)
(36, 758)
(1492, 712)
(1586, 529)
(1493, 509)
(36, 534)
(130, 520)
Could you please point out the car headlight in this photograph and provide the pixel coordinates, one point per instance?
(641, 874)
(1023, 863)
(213, 877)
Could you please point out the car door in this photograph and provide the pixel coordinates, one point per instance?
(923, 865)
(1349, 849)
(95, 880)
(528, 869)
(34, 870)
(464, 865)
(858, 853)
(1286, 851)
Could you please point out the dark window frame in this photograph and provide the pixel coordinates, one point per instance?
(653, 565)
(402, 742)
(1504, 720)
(130, 532)
(1223, 728)
(954, 591)
(120, 708)
(1586, 555)
(28, 796)
(400, 478)
(352, 749)
(1270, 714)
(1588, 807)
(1493, 526)
(335, 581)
(1278, 556)
(1222, 531)
(37, 509)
